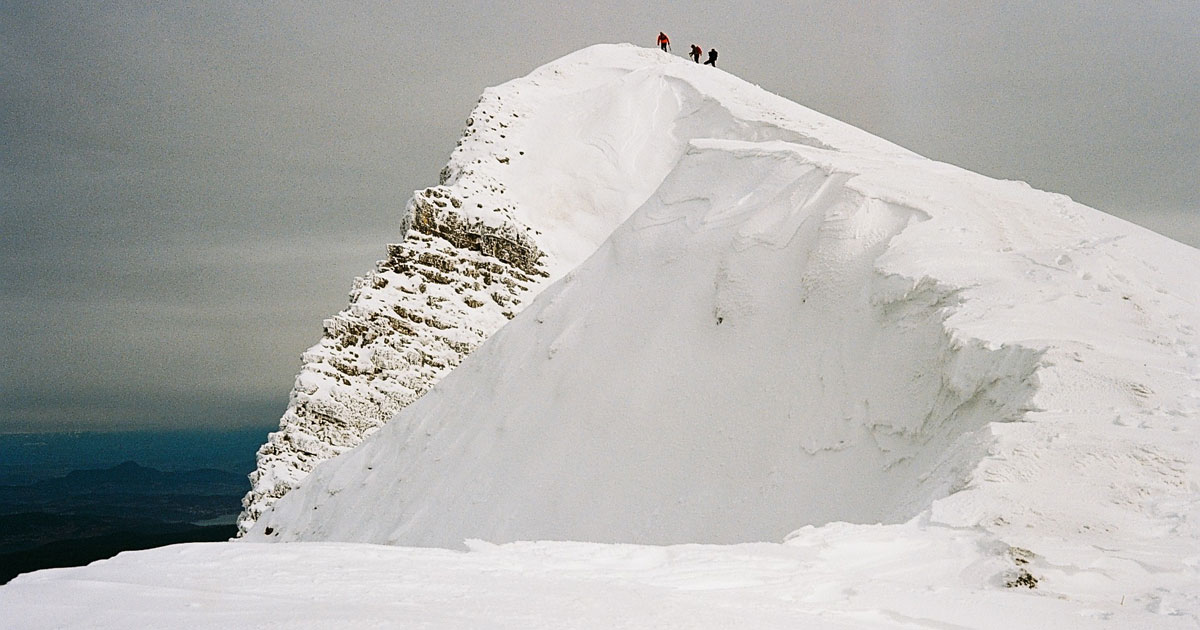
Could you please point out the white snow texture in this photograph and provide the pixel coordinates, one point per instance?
(930, 398)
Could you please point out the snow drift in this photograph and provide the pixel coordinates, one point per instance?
(801, 324)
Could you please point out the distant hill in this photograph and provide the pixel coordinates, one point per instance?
(26, 458)
(130, 490)
(129, 477)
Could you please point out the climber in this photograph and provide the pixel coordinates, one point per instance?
(712, 58)
(664, 42)
(695, 54)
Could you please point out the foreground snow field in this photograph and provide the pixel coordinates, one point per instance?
(837, 576)
(942, 400)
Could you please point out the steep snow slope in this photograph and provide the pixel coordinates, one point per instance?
(548, 166)
(806, 328)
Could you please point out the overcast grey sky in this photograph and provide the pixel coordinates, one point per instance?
(189, 188)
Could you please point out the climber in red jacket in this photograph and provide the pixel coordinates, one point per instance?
(664, 42)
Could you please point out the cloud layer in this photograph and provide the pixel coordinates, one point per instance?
(189, 190)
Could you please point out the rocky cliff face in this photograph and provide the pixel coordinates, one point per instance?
(452, 281)
(439, 293)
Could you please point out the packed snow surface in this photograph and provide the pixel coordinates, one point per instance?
(836, 577)
(882, 391)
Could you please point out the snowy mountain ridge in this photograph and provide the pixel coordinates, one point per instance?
(788, 312)
(547, 167)
(803, 378)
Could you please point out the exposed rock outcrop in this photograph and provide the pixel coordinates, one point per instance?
(442, 291)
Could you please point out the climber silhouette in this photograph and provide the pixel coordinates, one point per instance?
(712, 58)
(695, 54)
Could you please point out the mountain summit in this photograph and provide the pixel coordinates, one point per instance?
(797, 324)
(714, 316)
(548, 166)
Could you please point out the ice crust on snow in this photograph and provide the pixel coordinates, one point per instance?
(941, 399)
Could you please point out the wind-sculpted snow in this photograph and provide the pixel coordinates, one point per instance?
(803, 326)
(798, 326)
(732, 350)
